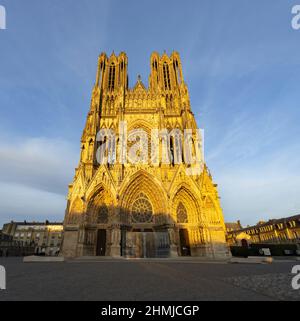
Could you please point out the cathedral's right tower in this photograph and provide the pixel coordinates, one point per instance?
(160, 205)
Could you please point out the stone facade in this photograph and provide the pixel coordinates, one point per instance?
(276, 231)
(141, 209)
(44, 237)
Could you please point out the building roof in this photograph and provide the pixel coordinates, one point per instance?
(233, 226)
(271, 222)
(36, 223)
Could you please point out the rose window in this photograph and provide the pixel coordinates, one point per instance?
(142, 210)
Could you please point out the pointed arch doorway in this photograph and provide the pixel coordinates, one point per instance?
(184, 213)
(185, 247)
(144, 204)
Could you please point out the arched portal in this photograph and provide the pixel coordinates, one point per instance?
(185, 206)
(143, 192)
(185, 212)
(100, 214)
(144, 218)
(100, 207)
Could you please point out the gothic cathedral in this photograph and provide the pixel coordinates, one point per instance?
(141, 209)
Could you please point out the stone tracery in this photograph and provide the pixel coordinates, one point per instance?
(141, 211)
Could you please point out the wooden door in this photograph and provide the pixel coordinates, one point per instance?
(101, 243)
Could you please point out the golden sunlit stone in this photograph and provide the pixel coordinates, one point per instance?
(145, 209)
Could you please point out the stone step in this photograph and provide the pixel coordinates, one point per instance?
(252, 260)
(41, 259)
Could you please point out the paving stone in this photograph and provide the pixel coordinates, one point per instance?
(110, 280)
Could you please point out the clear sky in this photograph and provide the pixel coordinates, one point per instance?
(241, 61)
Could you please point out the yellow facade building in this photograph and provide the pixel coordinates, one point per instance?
(276, 231)
(45, 237)
(137, 193)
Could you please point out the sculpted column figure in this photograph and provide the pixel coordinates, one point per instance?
(173, 245)
(115, 249)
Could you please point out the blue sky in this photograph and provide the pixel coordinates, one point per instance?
(240, 60)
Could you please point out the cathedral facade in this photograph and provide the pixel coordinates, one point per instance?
(142, 188)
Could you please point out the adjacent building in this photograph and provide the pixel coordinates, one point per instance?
(10, 247)
(233, 226)
(283, 231)
(44, 237)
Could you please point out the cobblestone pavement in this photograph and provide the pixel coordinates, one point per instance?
(277, 286)
(110, 280)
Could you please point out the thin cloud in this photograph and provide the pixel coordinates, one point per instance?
(20, 203)
(259, 195)
(34, 176)
(41, 163)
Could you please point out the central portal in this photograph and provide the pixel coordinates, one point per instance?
(146, 244)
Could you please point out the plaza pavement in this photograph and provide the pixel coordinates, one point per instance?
(111, 280)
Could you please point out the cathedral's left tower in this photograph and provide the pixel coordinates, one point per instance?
(89, 220)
